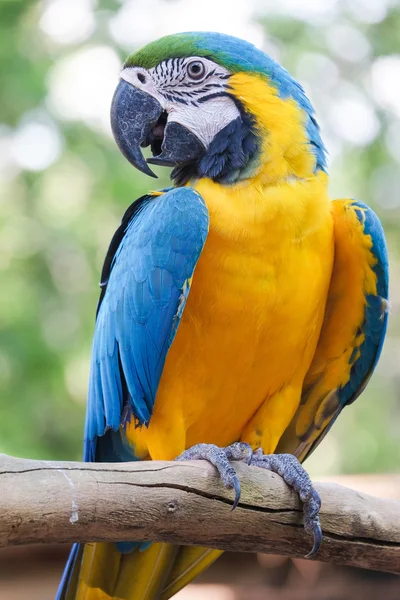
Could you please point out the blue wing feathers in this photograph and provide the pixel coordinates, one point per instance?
(144, 288)
(376, 313)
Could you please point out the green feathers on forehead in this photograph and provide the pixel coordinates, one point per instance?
(222, 49)
(170, 46)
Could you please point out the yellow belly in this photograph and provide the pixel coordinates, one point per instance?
(250, 325)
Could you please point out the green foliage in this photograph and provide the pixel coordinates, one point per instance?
(57, 218)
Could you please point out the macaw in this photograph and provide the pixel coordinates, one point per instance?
(240, 310)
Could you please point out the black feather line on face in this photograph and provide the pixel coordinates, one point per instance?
(210, 74)
(211, 96)
(171, 93)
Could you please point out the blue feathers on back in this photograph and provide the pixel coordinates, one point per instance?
(145, 286)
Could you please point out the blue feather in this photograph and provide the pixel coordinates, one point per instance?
(376, 314)
(144, 287)
(144, 290)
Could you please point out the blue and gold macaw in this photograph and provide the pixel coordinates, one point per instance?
(241, 309)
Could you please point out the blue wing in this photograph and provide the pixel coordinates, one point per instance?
(376, 308)
(353, 331)
(145, 284)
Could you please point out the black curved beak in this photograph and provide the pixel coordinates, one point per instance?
(138, 120)
(133, 114)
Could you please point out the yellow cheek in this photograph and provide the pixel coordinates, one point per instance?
(281, 123)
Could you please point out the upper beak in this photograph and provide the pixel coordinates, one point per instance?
(138, 120)
(133, 115)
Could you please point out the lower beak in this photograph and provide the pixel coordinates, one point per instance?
(139, 120)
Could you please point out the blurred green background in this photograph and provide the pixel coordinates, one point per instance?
(64, 187)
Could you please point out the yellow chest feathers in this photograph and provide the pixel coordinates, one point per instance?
(268, 250)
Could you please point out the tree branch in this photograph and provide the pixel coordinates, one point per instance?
(185, 503)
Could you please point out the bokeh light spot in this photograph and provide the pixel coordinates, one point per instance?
(68, 21)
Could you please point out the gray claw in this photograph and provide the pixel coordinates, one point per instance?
(317, 533)
(236, 486)
(220, 457)
(291, 471)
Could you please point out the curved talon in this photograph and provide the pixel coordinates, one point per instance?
(220, 457)
(236, 487)
(317, 532)
(292, 472)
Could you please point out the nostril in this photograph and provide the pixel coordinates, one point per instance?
(141, 78)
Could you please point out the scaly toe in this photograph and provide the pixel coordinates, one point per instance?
(240, 451)
(219, 457)
(292, 472)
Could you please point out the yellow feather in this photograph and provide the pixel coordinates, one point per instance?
(106, 574)
(96, 581)
(190, 562)
(282, 126)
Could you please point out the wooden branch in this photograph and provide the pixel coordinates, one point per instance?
(185, 503)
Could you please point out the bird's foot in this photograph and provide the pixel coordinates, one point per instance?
(291, 471)
(220, 458)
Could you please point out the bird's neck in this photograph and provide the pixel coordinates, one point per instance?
(292, 207)
(290, 146)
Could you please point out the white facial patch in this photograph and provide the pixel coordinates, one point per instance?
(200, 104)
(206, 120)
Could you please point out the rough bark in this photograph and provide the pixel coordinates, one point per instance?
(185, 503)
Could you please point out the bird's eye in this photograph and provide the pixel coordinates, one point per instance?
(196, 70)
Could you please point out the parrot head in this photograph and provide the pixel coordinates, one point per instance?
(214, 106)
